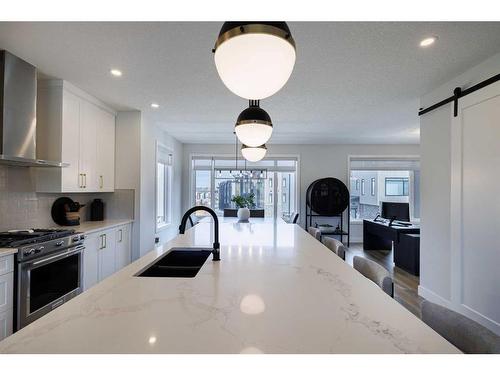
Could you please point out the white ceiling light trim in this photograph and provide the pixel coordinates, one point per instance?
(116, 72)
(254, 60)
(428, 41)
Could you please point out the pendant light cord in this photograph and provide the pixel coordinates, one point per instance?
(236, 152)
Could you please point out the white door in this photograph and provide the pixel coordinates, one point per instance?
(123, 249)
(91, 260)
(106, 151)
(89, 118)
(71, 179)
(476, 204)
(107, 254)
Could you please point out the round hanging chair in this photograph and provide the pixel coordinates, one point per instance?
(327, 196)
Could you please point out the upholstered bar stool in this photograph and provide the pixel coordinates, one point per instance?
(466, 334)
(375, 272)
(315, 232)
(335, 245)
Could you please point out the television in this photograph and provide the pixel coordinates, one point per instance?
(395, 210)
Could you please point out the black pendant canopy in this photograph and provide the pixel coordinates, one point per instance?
(233, 28)
(254, 114)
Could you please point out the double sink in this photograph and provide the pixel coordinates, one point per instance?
(178, 262)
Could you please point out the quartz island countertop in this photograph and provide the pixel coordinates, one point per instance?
(275, 290)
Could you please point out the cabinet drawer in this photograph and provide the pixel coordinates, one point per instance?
(6, 292)
(6, 264)
(6, 323)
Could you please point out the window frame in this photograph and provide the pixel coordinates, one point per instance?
(169, 167)
(274, 169)
(406, 183)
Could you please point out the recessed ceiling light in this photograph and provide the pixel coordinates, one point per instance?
(116, 72)
(428, 41)
(155, 105)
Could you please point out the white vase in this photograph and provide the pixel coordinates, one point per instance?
(243, 214)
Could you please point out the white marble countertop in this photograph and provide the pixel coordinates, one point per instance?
(276, 290)
(96, 226)
(85, 227)
(4, 251)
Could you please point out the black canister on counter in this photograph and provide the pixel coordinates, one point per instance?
(97, 210)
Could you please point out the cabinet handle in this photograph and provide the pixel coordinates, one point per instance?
(85, 180)
(80, 180)
(101, 246)
(101, 184)
(105, 241)
(121, 235)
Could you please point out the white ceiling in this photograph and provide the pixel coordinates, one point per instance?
(352, 83)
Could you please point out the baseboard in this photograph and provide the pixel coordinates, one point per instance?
(433, 297)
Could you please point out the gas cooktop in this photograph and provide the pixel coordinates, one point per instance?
(31, 236)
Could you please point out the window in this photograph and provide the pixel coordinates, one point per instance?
(202, 189)
(396, 186)
(215, 180)
(362, 186)
(372, 187)
(163, 186)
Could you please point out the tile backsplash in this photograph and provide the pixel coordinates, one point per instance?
(21, 207)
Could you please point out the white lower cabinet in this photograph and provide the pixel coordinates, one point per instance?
(123, 248)
(105, 253)
(91, 260)
(6, 295)
(6, 323)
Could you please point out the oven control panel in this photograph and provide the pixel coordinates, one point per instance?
(40, 249)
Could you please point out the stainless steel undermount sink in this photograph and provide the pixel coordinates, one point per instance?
(178, 262)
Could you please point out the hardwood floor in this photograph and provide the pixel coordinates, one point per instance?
(405, 284)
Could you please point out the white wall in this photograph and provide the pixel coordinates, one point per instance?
(136, 138)
(316, 161)
(128, 165)
(150, 134)
(441, 262)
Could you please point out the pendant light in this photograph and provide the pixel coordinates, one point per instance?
(253, 126)
(253, 154)
(254, 59)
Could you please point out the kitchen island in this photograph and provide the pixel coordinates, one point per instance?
(275, 290)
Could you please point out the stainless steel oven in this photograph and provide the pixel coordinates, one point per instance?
(47, 281)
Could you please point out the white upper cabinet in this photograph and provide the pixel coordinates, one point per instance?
(106, 152)
(74, 128)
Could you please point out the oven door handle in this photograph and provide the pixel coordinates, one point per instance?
(78, 249)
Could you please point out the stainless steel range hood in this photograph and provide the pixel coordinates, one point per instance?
(18, 114)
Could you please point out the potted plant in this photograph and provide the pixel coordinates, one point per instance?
(244, 203)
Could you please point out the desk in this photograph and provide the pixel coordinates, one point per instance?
(380, 236)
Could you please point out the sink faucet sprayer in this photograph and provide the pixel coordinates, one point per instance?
(182, 228)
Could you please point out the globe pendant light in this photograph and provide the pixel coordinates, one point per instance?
(253, 126)
(254, 59)
(253, 154)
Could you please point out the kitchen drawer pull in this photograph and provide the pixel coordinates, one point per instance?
(121, 235)
(101, 183)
